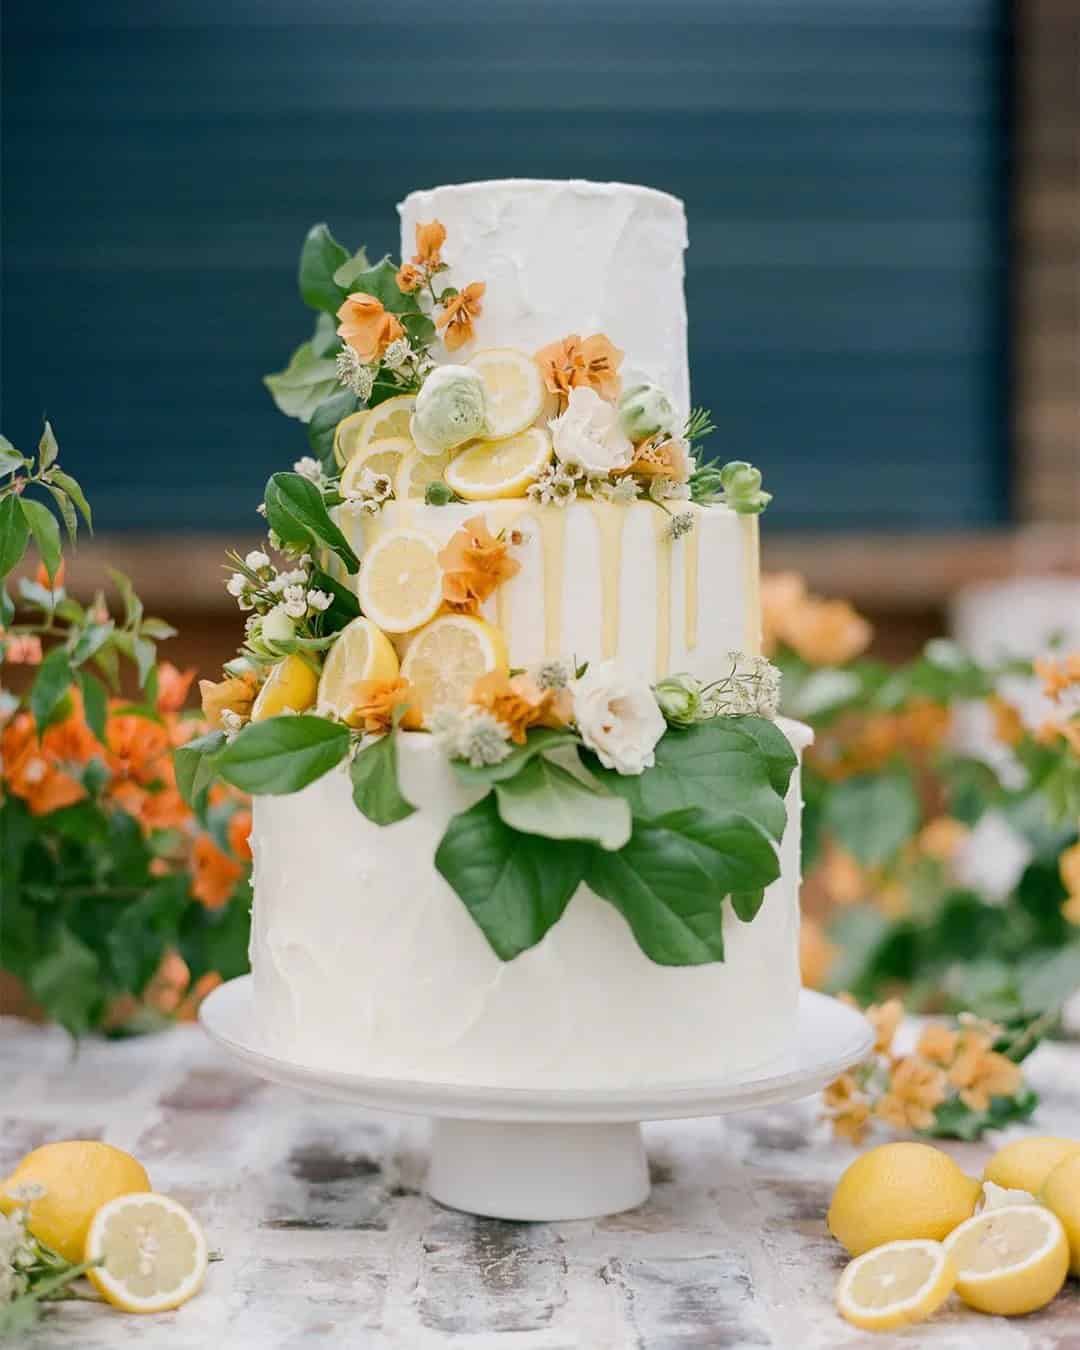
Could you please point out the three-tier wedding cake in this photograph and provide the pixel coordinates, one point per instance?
(523, 815)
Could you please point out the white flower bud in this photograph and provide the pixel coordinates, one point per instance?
(277, 626)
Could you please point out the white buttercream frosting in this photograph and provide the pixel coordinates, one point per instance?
(568, 256)
(365, 960)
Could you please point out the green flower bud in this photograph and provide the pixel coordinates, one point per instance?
(742, 488)
(679, 697)
(450, 409)
(277, 626)
(644, 410)
(438, 493)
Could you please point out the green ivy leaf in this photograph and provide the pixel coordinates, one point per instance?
(515, 886)
(95, 703)
(873, 815)
(195, 765)
(296, 512)
(539, 739)
(46, 533)
(548, 800)
(53, 680)
(304, 383)
(283, 754)
(320, 257)
(323, 424)
(75, 492)
(14, 533)
(375, 789)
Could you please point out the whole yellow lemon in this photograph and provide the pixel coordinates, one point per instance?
(1060, 1193)
(1025, 1164)
(900, 1191)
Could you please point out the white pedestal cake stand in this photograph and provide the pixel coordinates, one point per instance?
(550, 1153)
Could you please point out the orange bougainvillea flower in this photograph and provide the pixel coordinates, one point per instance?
(409, 278)
(375, 703)
(519, 703)
(188, 1008)
(173, 686)
(663, 459)
(235, 694)
(367, 327)
(782, 593)
(71, 741)
(847, 1108)
(938, 1044)
(1058, 676)
(844, 879)
(214, 873)
(981, 1073)
(457, 315)
(916, 1089)
(1007, 722)
(32, 773)
(239, 834)
(475, 564)
(21, 649)
(429, 241)
(827, 632)
(883, 1017)
(577, 361)
(137, 748)
(41, 576)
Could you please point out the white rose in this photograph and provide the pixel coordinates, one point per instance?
(618, 717)
(589, 432)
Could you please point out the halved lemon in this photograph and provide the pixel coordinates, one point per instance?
(1009, 1261)
(382, 455)
(895, 1285)
(513, 389)
(291, 685)
(400, 585)
(447, 657)
(361, 652)
(151, 1251)
(489, 469)
(417, 471)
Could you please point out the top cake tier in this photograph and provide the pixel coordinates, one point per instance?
(568, 256)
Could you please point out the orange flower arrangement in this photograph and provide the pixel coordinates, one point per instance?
(475, 564)
(822, 632)
(916, 1090)
(519, 703)
(33, 772)
(980, 1073)
(367, 327)
(375, 703)
(455, 319)
(575, 361)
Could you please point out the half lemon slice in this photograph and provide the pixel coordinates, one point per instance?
(400, 585)
(895, 1285)
(382, 455)
(389, 418)
(489, 469)
(152, 1253)
(290, 686)
(1009, 1261)
(361, 652)
(513, 389)
(447, 657)
(417, 471)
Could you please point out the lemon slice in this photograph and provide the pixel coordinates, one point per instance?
(513, 389)
(895, 1285)
(417, 471)
(347, 435)
(291, 685)
(361, 652)
(489, 469)
(1009, 1261)
(389, 418)
(447, 657)
(382, 455)
(400, 586)
(152, 1253)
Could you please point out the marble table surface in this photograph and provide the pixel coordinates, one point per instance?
(327, 1239)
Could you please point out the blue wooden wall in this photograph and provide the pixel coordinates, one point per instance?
(842, 161)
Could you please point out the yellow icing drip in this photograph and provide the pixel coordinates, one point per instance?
(690, 579)
(552, 523)
(663, 592)
(503, 516)
(610, 520)
(751, 561)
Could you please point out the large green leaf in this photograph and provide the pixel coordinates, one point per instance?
(46, 533)
(320, 258)
(516, 886)
(75, 492)
(14, 533)
(873, 815)
(375, 782)
(323, 424)
(296, 512)
(304, 383)
(195, 765)
(780, 758)
(95, 703)
(549, 800)
(344, 607)
(52, 682)
(283, 754)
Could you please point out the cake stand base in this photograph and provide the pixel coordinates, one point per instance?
(545, 1152)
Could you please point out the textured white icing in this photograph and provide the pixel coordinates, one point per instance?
(726, 590)
(569, 256)
(365, 960)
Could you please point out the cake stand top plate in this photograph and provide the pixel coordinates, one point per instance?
(830, 1038)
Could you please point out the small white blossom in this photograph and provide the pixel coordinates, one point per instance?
(752, 689)
(308, 468)
(237, 585)
(573, 465)
(445, 728)
(588, 433)
(377, 486)
(483, 738)
(398, 354)
(319, 601)
(256, 560)
(295, 601)
(261, 508)
(667, 489)
(351, 372)
(627, 490)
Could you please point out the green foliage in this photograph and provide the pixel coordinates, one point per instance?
(305, 383)
(297, 514)
(282, 754)
(873, 815)
(375, 789)
(556, 802)
(320, 258)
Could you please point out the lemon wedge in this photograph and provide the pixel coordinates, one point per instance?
(1009, 1261)
(382, 455)
(75, 1177)
(895, 1285)
(489, 469)
(513, 389)
(361, 652)
(292, 685)
(417, 471)
(152, 1253)
(447, 657)
(400, 585)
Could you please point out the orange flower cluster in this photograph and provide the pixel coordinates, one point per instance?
(822, 632)
(575, 362)
(1061, 681)
(519, 703)
(367, 326)
(375, 703)
(236, 694)
(427, 258)
(475, 564)
(864, 743)
(656, 458)
(455, 317)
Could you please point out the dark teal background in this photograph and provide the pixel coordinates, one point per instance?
(843, 164)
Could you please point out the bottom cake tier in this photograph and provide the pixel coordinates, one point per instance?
(365, 960)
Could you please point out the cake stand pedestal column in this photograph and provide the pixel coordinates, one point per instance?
(510, 1170)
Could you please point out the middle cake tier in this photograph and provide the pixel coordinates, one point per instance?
(602, 580)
